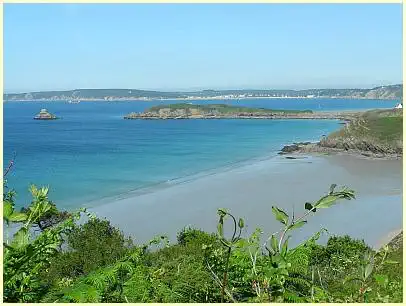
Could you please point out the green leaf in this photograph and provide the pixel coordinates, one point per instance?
(388, 261)
(18, 217)
(8, 209)
(20, 239)
(297, 225)
(284, 250)
(240, 223)
(368, 270)
(326, 201)
(274, 244)
(280, 215)
(381, 279)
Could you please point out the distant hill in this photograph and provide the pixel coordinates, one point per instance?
(383, 92)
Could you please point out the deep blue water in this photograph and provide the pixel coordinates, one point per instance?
(93, 153)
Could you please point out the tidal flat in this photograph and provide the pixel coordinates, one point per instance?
(251, 190)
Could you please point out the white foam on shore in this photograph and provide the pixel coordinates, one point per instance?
(249, 191)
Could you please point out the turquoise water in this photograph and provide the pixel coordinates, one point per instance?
(92, 153)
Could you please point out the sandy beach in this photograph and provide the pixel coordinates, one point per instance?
(249, 191)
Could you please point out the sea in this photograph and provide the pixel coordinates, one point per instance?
(92, 154)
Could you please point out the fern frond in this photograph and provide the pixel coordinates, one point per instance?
(292, 297)
(97, 280)
(298, 281)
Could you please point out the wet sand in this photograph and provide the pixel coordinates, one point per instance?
(250, 191)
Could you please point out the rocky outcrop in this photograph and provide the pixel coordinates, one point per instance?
(293, 147)
(45, 115)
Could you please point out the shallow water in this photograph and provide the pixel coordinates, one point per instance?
(251, 190)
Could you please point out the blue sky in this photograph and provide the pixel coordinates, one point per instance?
(196, 46)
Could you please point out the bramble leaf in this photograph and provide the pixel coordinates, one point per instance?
(297, 224)
(280, 215)
(274, 244)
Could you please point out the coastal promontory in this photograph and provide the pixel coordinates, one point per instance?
(374, 133)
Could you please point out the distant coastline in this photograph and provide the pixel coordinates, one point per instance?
(193, 99)
(391, 92)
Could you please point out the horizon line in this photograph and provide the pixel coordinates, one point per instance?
(200, 90)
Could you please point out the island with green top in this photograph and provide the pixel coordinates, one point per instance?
(224, 111)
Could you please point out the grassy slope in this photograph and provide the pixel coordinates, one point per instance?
(378, 131)
(223, 108)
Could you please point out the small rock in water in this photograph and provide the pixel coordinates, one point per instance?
(45, 115)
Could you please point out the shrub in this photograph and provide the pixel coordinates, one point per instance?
(190, 235)
(90, 246)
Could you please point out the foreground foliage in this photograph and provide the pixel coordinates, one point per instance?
(53, 258)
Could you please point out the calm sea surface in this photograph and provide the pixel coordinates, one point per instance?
(92, 153)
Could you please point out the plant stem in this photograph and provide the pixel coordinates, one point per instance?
(225, 275)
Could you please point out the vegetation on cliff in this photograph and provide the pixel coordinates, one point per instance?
(93, 261)
(188, 110)
(377, 131)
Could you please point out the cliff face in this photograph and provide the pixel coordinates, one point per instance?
(385, 93)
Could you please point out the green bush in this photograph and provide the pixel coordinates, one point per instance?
(190, 235)
(89, 246)
(94, 262)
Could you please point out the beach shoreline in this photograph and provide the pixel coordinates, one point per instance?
(249, 191)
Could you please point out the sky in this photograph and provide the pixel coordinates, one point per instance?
(201, 46)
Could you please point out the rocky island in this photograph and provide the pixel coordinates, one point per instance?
(224, 111)
(45, 115)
